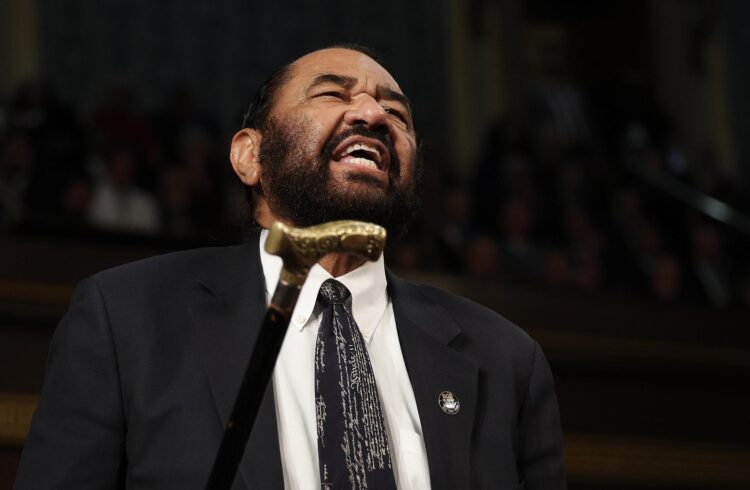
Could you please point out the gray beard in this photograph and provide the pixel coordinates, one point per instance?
(297, 187)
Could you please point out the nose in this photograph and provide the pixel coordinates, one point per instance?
(365, 110)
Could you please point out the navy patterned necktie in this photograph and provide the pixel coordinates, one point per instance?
(353, 448)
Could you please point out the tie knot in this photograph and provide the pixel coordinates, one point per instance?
(333, 292)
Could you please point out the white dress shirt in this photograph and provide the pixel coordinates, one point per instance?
(293, 377)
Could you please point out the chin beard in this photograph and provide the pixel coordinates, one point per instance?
(297, 185)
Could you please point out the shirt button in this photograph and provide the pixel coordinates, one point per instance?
(299, 320)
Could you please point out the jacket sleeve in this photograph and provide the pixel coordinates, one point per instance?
(77, 435)
(540, 446)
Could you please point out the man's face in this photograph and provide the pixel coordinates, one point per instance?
(340, 144)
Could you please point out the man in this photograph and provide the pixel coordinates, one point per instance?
(145, 366)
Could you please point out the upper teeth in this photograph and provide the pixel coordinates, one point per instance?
(360, 146)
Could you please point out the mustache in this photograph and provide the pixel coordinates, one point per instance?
(380, 135)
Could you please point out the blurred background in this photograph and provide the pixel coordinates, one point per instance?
(587, 176)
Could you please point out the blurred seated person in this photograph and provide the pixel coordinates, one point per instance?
(117, 204)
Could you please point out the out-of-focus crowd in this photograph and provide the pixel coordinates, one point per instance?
(118, 170)
(555, 201)
(551, 202)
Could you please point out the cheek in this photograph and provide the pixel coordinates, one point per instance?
(406, 147)
(318, 130)
(307, 135)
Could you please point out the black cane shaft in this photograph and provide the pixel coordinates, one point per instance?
(253, 386)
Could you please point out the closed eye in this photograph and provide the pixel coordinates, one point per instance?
(395, 112)
(332, 93)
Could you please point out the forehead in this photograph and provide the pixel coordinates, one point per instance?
(340, 62)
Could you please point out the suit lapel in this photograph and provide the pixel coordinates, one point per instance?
(227, 310)
(425, 332)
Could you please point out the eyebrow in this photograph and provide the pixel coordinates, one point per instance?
(341, 80)
(347, 82)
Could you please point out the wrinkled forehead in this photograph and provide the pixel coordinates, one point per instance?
(340, 61)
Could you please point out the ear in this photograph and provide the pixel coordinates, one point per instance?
(244, 156)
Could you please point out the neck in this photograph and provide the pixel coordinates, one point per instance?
(340, 264)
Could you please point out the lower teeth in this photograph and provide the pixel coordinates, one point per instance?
(364, 162)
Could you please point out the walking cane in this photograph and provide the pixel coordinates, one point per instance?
(299, 249)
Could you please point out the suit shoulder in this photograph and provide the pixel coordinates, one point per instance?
(471, 316)
(168, 264)
(173, 272)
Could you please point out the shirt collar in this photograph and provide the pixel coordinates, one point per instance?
(367, 285)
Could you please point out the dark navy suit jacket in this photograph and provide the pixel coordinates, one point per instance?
(145, 365)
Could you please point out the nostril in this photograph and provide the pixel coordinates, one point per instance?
(375, 127)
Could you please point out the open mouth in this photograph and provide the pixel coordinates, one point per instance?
(363, 152)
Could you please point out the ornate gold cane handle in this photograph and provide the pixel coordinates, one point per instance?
(301, 248)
